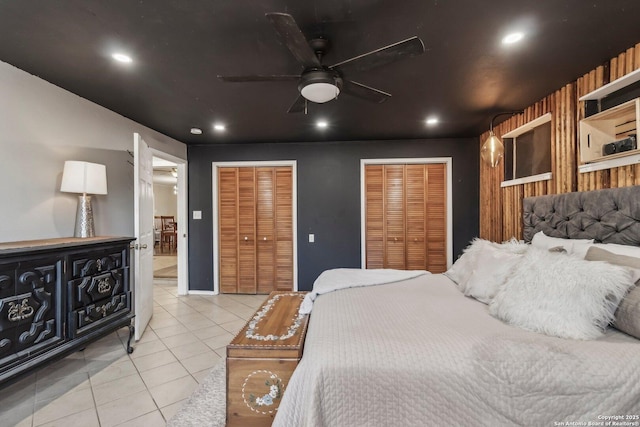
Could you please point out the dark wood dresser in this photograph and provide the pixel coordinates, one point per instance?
(57, 295)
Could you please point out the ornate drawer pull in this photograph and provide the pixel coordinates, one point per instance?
(19, 312)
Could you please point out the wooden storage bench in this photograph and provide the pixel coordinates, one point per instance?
(261, 359)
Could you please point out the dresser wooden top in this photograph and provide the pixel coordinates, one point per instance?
(57, 243)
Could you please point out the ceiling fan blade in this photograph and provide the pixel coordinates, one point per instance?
(384, 55)
(259, 78)
(298, 106)
(364, 92)
(292, 37)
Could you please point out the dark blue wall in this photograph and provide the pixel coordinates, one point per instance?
(328, 197)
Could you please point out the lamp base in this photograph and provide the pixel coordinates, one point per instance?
(84, 218)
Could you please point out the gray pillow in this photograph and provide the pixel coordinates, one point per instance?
(627, 317)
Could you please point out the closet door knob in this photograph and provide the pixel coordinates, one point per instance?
(264, 238)
(246, 238)
(395, 239)
(415, 239)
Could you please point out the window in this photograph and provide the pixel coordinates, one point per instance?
(527, 152)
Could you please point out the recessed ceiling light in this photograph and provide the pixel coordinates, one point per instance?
(512, 38)
(121, 57)
(196, 131)
(322, 124)
(432, 121)
(219, 127)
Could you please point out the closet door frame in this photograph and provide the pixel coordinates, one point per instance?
(294, 208)
(448, 161)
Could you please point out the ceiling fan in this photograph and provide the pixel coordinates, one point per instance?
(320, 83)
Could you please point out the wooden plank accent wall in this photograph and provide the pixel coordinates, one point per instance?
(501, 208)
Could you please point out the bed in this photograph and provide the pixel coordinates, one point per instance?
(419, 352)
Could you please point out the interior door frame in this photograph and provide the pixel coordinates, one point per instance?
(294, 202)
(448, 161)
(182, 218)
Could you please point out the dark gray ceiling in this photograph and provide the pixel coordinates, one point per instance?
(180, 46)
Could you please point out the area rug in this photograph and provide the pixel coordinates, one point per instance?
(165, 266)
(166, 273)
(207, 405)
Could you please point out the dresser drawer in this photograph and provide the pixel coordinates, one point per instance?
(93, 316)
(29, 319)
(97, 262)
(93, 289)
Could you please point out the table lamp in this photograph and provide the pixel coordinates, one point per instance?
(84, 178)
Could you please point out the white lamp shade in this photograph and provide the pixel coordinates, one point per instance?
(84, 177)
(320, 92)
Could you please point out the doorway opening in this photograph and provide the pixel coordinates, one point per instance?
(165, 213)
(169, 227)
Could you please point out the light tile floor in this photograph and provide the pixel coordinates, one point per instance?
(104, 386)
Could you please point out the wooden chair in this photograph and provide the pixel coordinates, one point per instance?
(168, 232)
(157, 230)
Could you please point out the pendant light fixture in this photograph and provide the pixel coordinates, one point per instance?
(493, 150)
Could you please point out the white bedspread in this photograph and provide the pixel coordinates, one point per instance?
(342, 278)
(419, 353)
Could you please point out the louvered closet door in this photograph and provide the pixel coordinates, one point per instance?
(394, 221)
(265, 230)
(284, 228)
(247, 231)
(374, 207)
(436, 217)
(228, 229)
(415, 207)
(405, 216)
(255, 229)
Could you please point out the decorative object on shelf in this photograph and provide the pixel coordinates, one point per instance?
(84, 178)
(492, 150)
(619, 146)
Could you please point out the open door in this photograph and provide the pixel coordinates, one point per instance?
(143, 252)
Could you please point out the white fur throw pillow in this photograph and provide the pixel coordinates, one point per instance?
(513, 246)
(491, 269)
(560, 295)
(462, 269)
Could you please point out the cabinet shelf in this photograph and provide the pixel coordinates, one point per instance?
(614, 86)
(614, 124)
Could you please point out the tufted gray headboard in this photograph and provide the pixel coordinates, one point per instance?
(608, 216)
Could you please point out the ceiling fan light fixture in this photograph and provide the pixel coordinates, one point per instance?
(320, 92)
(320, 85)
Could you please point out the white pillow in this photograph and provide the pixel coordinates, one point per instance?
(560, 295)
(580, 249)
(492, 266)
(463, 267)
(542, 241)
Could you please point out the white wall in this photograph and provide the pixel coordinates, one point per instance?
(164, 201)
(41, 126)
